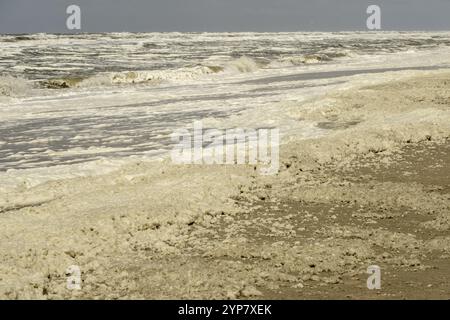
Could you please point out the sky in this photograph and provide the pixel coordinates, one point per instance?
(35, 16)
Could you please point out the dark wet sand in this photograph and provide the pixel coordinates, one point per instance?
(415, 274)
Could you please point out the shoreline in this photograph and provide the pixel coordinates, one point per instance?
(308, 232)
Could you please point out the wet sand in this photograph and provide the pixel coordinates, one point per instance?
(413, 262)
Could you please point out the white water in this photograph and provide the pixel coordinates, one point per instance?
(133, 90)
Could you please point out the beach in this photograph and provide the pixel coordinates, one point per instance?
(373, 190)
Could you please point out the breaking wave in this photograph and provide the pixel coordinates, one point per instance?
(13, 87)
(301, 60)
(243, 64)
(153, 77)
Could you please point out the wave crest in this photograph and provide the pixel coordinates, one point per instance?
(153, 77)
(242, 65)
(301, 60)
(145, 77)
(128, 77)
(13, 87)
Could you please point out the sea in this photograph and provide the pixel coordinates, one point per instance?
(84, 104)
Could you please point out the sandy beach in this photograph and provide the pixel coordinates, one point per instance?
(375, 191)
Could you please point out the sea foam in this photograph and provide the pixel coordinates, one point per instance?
(13, 87)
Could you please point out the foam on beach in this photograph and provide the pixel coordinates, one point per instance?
(149, 214)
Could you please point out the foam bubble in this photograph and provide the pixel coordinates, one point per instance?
(13, 87)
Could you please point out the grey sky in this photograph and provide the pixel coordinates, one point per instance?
(32, 16)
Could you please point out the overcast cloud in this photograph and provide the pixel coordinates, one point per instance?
(32, 16)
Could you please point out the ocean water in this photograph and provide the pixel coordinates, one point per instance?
(67, 102)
